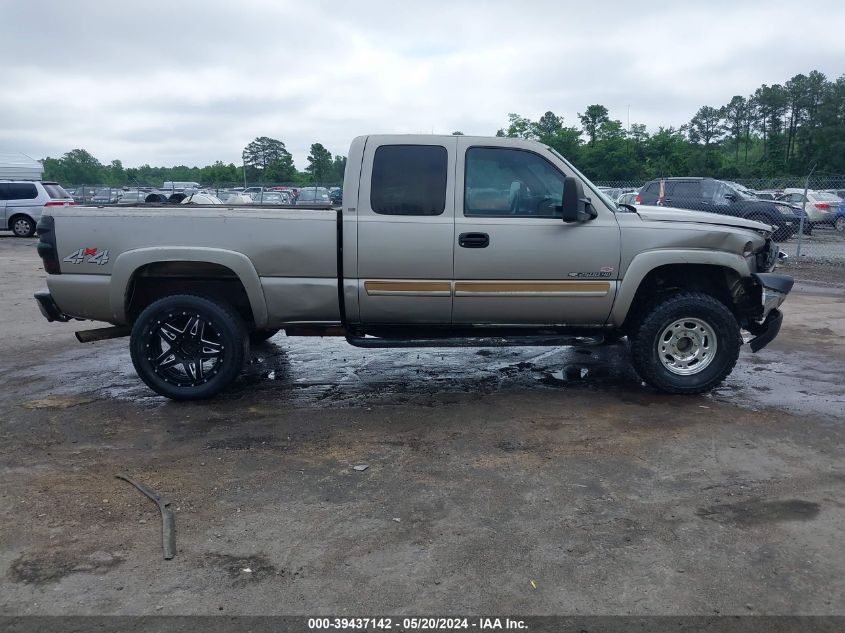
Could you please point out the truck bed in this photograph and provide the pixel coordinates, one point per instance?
(291, 253)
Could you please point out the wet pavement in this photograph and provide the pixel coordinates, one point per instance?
(498, 480)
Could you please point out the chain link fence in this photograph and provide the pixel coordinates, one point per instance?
(809, 213)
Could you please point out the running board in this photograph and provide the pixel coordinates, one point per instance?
(477, 341)
(102, 333)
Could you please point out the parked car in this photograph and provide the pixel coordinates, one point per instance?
(84, 194)
(22, 202)
(336, 195)
(133, 196)
(717, 196)
(515, 248)
(107, 196)
(272, 197)
(768, 194)
(627, 198)
(313, 195)
(820, 205)
(839, 218)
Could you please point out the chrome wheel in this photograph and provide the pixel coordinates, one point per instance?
(687, 346)
(186, 350)
(840, 225)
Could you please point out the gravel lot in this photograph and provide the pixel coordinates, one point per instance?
(529, 480)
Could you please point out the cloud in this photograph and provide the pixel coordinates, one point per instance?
(191, 82)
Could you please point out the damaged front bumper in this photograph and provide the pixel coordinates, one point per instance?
(773, 290)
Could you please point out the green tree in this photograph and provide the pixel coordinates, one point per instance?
(706, 126)
(592, 119)
(735, 114)
(338, 169)
(518, 127)
(319, 163)
(264, 151)
(79, 167)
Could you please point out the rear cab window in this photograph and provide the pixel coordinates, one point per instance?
(409, 180)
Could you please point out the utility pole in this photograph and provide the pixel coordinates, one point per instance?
(803, 214)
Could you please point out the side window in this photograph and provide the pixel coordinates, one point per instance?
(409, 180)
(502, 182)
(21, 191)
(687, 190)
(4, 191)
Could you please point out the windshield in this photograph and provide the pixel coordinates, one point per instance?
(743, 192)
(610, 203)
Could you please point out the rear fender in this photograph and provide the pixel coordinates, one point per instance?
(128, 263)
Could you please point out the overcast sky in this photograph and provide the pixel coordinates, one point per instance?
(183, 82)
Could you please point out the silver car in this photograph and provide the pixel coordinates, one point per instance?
(22, 201)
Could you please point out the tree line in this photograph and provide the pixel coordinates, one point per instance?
(779, 130)
(265, 160)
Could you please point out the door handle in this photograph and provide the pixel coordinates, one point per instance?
(474, 240)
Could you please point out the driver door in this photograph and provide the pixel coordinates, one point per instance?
(516, 261)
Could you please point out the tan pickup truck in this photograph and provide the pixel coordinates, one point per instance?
(440, 241)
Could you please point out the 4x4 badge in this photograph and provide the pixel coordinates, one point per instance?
(89, 255)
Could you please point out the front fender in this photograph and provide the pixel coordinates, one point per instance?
(128, 263)
(643, 263)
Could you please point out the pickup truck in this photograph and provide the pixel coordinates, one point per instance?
(440, 241)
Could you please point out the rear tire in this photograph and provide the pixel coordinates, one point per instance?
(186, 347)
(687, 344)
(22, 226)
(840, 225)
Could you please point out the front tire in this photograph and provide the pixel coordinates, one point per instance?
(840, 224)
(22, 226)
(687, 344)
(186, 347)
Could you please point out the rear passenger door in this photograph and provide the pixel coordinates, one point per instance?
(405, 230)
(686, 194)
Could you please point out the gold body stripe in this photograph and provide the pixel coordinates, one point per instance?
(408, 288)
(488, 288)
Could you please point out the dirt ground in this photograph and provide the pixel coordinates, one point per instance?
(521, 480)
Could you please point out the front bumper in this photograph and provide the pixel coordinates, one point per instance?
(766, 331)
(49, 308)
(773, 290)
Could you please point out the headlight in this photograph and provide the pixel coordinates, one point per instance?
(767, 257)
(786, 210)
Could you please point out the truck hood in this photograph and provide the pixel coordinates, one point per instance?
(664, 214)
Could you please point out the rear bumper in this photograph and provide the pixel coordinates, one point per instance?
(49, 308)
(766, 331)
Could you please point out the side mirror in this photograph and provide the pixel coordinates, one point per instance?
(731, 197)
(574, 206)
